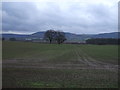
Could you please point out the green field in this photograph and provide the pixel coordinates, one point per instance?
(64, 66)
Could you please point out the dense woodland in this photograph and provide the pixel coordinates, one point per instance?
(102, 41)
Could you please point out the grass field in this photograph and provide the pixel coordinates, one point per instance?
(51, 65)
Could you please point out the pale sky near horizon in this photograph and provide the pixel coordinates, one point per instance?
(89, 17)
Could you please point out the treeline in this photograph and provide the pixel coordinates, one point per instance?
(103, 41)
(11, 39)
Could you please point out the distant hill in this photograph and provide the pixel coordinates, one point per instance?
(69, 36)
(17, 36)
(107, 35)
(38, 34)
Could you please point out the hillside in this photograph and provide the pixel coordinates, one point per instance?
(70, 36)
(107, 35)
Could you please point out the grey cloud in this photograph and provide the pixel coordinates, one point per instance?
(72, 17)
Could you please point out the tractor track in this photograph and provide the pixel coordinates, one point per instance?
(94, 63)
(83, 61)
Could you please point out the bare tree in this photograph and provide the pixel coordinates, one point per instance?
(60, 37)
(49, 35)
(52, 35)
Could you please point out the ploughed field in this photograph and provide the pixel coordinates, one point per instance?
(35, 65)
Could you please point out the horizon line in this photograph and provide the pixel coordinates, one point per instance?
(44, 31)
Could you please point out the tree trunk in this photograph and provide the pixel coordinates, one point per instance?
(50, 41)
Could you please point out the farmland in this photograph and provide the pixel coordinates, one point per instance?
(35, 65)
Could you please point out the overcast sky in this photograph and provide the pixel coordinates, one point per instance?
(76, 17)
